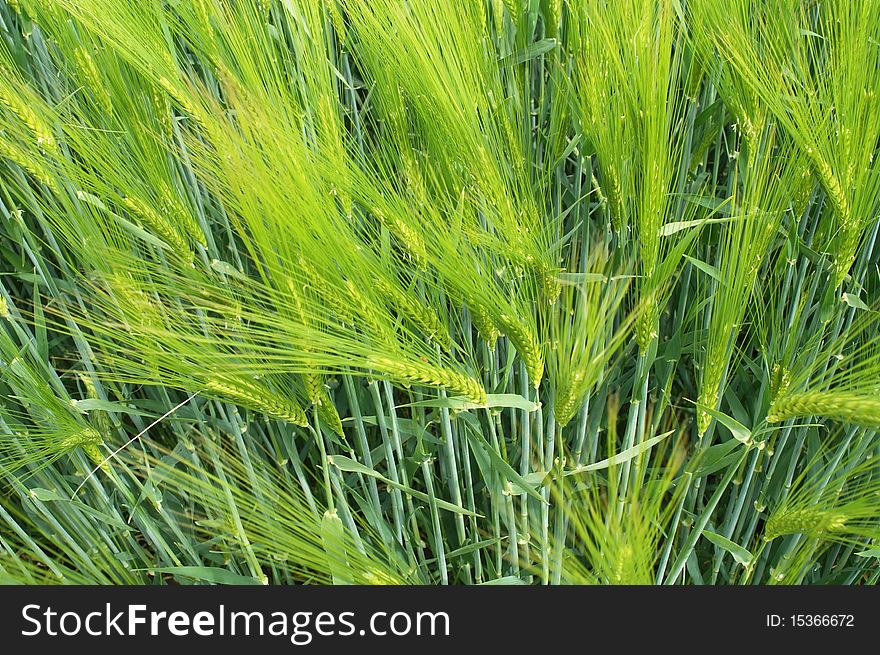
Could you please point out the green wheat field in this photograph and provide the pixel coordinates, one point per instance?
(439, 292)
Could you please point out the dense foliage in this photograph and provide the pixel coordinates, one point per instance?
(425, 291)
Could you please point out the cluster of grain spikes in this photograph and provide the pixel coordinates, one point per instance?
(432, 250)
(816, 71)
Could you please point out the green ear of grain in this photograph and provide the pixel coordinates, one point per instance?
(256, 397)
(813, 521)
(846, 406)
(420, 373)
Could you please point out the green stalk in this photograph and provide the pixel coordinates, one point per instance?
(697, 531)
